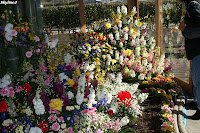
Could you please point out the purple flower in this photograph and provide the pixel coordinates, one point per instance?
(113, 42)
(22, 38)
(135, 44)
(19, 43)
(115, 28)
(124, 32)
(1, 28)
(45, 101)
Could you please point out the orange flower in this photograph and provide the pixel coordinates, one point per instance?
(117, 21)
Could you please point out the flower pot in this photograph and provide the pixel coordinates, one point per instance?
(12, 59)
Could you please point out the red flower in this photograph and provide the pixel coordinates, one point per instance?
(110, 112)
(3, 106)
(43, 126)
(27, 88)
(125, 98)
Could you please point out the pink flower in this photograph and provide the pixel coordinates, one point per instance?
(171, 119)
(165, 124)
(29, 54)
(99, 131)
(123, 53)
(56, 127)
(86, 111)
(93, 109)
(47, 81)
(126, 61)
(61, 119)
(37, 39)
(3, 16)
(13, 33)
(4, 92)
(37, 51)
(52, 118)
(18, 89)
(39, 45)
(70, 130)
(11, 92)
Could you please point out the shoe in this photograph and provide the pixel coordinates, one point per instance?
(195, 116)
(191, 105)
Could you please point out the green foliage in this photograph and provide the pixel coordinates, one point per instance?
(68, 16)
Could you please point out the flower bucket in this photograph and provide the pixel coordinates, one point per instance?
(12, 59)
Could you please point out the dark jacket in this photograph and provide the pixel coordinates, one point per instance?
(192, 18)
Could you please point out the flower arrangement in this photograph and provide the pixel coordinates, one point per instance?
(82, 89)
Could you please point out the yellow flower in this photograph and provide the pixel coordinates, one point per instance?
(70, 82)
(78, 72)
(145, 82)
(155, 78)
(169, 128)
(56, 104)
(166, 115)
(108, 25)
(87, 73)
(159, 90)
(114, 61)
(128, 52)
(126, 28)
(98, 62)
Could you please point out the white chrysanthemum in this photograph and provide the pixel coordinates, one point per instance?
(35, 130)
(144, 62)
(70, 95)
(67, 58)
(116, 55)
(121, 59)
(38, 106)
(132, 73)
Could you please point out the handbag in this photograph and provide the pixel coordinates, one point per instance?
(192, 32)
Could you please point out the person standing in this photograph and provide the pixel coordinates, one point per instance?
(192, 48)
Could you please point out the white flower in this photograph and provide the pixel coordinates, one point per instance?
(67, 58)
(77, 107)
(118, 10)
(70, 95)
(38, 106)
(35, 130)
(79, 98)
(9, 27)
(121, 44)
(132, 73)
(126, 36)
(7, 122)
(121, 59)
(134, 10)
(53, 44)
(116, 55)
(144, 62)
(19, 129)
(137, 51)
(5, 81)
(124, 9)
(117, 37)
(141, 76)
(63, 125)
(124, 121)
(111, 36)
(62, 76)
(28, 111)
(142, 97)
(8, 36)
(120, 24)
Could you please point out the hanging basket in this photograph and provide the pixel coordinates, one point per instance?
(12, 59)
